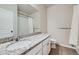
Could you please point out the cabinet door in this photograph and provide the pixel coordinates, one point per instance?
(35, 50)
(45, 50)
(39, 52)
(46, 47)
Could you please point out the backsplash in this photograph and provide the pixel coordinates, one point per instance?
(3, 40)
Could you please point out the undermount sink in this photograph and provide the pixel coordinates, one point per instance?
(18, 45)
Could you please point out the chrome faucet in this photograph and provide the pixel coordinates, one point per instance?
(15, 38)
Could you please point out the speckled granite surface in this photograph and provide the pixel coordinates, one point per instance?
(33, 39)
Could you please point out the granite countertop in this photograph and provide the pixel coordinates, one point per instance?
(33, 39)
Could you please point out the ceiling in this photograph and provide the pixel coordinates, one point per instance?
(26, 8)
(48, 5)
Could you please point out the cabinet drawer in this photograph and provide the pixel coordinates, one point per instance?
(35, 50)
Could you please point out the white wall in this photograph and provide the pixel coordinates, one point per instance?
(13, 8)
(60, 16)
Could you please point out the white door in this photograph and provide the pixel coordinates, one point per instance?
(74, 30)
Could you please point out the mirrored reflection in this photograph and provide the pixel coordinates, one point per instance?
(6, 23)
(28, 19)
(20, 19)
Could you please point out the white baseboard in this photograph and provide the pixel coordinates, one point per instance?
(67, 46)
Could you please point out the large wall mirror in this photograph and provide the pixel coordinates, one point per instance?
(28, 19)
(20, 19)
(6, 23)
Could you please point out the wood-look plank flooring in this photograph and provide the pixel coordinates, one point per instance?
(62, 51)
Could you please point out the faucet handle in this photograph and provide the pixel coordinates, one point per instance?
(17, 39)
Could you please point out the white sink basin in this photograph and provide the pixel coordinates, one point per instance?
(19, 45)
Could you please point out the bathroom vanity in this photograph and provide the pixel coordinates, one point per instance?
(34, 45)
(42, 48)
(25, 19)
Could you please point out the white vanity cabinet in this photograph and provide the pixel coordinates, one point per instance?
(36, 50)
(41, 49)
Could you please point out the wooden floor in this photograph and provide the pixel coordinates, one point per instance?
(62, 51)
